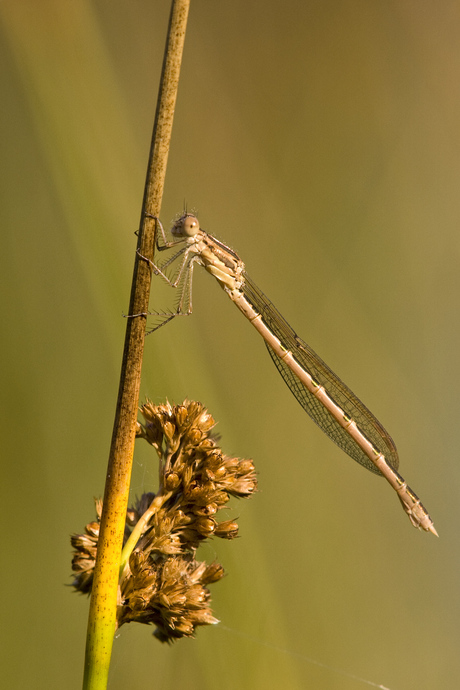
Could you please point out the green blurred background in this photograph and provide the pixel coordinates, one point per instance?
(321, 140)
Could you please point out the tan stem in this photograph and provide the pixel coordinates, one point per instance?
(102, 614)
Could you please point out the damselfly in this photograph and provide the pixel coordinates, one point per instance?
(328, 401)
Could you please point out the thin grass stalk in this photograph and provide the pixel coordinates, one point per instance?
(102, 613)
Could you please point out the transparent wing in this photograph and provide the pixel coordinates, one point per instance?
(335, 388)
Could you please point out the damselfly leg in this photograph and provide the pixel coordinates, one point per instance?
(182, 278)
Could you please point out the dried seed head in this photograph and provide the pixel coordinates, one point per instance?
(84, 557)
(163, 584)
(213, 573)
(171, 481)
(227, 529)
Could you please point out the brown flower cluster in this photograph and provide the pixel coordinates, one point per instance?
(162, 583)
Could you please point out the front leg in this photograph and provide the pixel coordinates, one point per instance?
(166, 244)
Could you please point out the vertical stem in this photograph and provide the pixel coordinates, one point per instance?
(102, 613)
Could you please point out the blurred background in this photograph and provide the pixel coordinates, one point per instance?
(321, 141)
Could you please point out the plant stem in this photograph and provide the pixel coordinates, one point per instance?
(102, 613)
(140, 527)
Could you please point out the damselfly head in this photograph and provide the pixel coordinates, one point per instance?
(186, 226)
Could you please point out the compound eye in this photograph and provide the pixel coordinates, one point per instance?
(190, 225)
(186, 226)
